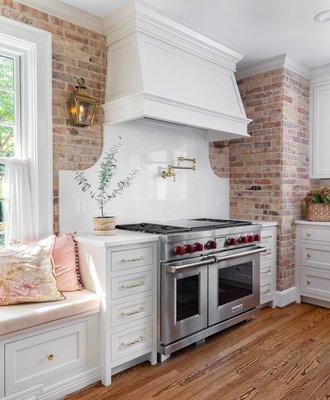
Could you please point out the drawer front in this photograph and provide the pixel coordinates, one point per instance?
(315, 256)
(32, 361)
(130, 341)
(265, 279)
(267, 237)
(130, 284)
(266, 267)
(126, 259)
(270, 253)
(266, 289)
(315, 282)
(315, 234)
(131, 311)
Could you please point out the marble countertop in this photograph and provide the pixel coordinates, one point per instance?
(266, 224)
(304, 222)
(120, 238)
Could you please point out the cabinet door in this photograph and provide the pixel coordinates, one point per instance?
(320, 128)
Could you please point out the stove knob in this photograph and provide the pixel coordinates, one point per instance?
(231, 241)
(256, 238)
(243, 239)
(210, 245)
(197, 247)
(178, 250)
(250, 238)
(188, 248)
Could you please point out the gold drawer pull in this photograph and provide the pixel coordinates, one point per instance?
(128, 313)
(268, 253)
(129, 260)
(132, 285)
(266, 271)
(308, 235)
(266, 291)
(267, 237)
(50, 357)
(308, 283)
(308, 255)
(133, 342)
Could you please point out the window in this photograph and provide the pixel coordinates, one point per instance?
(9, 119)
(25, 127)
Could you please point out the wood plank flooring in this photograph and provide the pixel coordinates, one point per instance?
(282, 354)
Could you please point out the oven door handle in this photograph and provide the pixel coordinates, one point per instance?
(173, 269)
(258, 250)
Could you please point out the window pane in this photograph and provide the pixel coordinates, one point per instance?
(6, 73)
(7, 109)
(6, 142)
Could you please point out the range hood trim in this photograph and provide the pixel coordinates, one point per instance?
(137, 33)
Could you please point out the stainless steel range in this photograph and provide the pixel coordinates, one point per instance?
(208, 278)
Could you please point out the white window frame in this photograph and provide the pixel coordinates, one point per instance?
(33, 47)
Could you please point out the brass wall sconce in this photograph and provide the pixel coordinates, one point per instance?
(82, 107)
(170, 173)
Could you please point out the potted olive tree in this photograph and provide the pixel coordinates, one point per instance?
(104, 224)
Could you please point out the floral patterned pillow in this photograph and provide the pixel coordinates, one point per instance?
(26, 275)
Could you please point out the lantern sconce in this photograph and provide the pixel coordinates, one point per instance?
(82, 107)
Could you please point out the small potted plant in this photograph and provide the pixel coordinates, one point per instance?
(105, 225)
(318, 204)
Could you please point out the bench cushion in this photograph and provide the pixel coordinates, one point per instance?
(14, 318)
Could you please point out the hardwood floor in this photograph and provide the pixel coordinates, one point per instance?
(282, 354)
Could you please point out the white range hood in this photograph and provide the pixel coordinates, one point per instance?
(162, 70)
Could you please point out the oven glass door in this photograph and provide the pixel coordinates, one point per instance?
(184, 303)
(234, 287)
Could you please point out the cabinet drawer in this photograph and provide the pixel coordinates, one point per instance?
(270, 253)
(317, 256)
(32, 361)
(266, 268)
(130, 284)
(266, 279)
(125, 259)
(266, 289)
(267, 237)
(130, 341)
(315, 282)
(131, 310)
(315, 234)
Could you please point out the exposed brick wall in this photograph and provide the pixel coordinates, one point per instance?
(77, 52)
(219, 158)
(274, 159)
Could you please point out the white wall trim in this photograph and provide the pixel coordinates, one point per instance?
(285, 297)
(34, 46)
(320, 75)
(280, 61)
(66, 12)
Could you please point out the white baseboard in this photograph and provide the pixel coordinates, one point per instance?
(285, 297)
(58, 390)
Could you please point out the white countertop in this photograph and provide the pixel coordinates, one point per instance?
(120, 238)
(266, 224)
(304, 222)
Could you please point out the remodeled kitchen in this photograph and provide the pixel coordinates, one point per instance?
(165, 209)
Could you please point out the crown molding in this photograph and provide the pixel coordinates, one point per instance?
(141, 16)
(280, 61)
(67, 13)
(320, 75)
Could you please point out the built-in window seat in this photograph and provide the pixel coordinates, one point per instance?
(15, 318)
(50, 349)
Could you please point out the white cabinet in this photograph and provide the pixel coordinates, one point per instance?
(320, 125)
(268, 265)
(123, 270)
(313, 262)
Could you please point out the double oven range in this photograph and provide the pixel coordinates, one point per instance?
(209, 277)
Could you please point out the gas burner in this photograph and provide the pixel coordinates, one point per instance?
(153, 228)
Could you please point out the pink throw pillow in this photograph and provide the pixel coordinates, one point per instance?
(66, 263)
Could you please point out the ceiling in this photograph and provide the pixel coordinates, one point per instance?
(259, 28)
